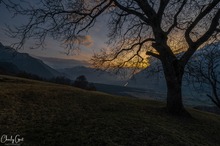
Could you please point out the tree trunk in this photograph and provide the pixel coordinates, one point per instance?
(173, 72)
(174, 95)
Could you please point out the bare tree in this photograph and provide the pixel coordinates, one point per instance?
(204, 72)
(137, 29)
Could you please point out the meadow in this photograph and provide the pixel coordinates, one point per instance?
(47, 114)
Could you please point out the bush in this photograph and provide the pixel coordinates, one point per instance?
(81, 82)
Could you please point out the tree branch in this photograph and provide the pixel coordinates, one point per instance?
(193, 46)
(132, 12)
(153, 54)
(208, 9)
(146, 8)
(163, 5)
(175, 23)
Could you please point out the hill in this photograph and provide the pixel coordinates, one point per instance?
(8, 68)
(50, 114)
(26, 63)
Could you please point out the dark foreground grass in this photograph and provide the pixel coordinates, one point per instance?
(48, 114)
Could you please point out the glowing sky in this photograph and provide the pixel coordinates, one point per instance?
(94, 40)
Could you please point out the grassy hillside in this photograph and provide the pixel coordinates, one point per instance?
(49, 114)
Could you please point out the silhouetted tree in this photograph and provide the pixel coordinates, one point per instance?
(137, 29)
(26, 75)
(61, 80)
(204, 72)
(81, 82)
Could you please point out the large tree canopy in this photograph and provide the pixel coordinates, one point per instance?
(137, 29)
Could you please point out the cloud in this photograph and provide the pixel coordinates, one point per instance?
(62, 63)
(83, 40)
(87, 41)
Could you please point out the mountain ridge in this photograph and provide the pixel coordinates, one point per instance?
(26, 63)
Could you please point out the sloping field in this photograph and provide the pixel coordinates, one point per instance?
(46, 114)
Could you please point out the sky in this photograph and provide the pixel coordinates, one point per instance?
(94, 40)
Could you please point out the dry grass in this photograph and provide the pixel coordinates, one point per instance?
(49, 114)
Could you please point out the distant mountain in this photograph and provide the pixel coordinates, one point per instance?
(92, 75)
(58, 63)
(151, 78)
(24, 62)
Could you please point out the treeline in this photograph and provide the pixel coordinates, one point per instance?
(59, 79)
(80, 82)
